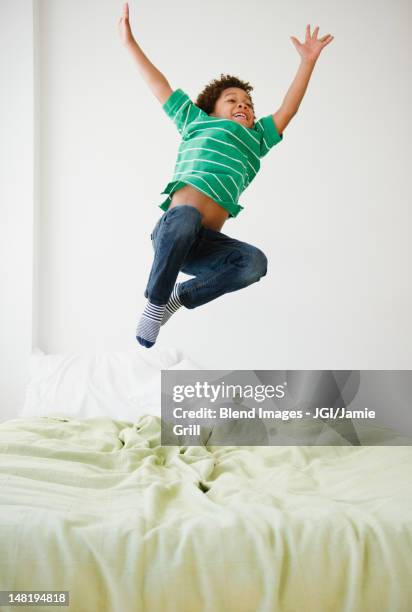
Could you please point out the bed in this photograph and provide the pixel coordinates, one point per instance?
(91, 503)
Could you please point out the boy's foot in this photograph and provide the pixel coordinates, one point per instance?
(173, 304)
(149, 324)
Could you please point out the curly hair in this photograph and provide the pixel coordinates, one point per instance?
(206, 100)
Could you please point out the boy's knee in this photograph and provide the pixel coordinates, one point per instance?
(259, 262)
(251, 265)
(257, 265)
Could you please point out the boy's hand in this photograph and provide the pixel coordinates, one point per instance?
(311, 48)
(125, 32)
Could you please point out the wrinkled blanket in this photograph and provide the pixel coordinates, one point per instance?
(97, 507)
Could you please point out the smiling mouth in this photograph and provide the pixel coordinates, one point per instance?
(240, 116)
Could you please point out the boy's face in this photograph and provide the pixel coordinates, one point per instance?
(235, 104)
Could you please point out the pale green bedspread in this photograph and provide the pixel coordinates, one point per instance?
(99, 508)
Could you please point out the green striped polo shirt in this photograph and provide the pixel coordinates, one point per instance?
(218, 157)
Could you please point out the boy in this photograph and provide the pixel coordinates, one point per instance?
(218, 158)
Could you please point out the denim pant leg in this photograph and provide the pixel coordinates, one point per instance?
(220, 265)
(173, 237)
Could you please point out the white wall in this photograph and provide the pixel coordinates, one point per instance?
(16, 200)
(329, 207)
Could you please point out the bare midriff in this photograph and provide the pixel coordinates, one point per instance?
(213, 215)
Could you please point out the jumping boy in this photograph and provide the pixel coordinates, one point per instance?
(219, 156)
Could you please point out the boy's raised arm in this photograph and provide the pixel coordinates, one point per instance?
(153, 77)
(309, 52)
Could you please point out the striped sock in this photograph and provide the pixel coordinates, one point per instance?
(149, 324)
(173, 304)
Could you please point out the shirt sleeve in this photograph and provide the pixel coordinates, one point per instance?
(181, 110)
(269, 134)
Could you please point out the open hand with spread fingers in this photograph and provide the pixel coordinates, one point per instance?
(311, 48)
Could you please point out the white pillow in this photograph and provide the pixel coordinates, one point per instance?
(147, 399)
(122, 385)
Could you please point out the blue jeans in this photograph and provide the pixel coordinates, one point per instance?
(219, 264)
